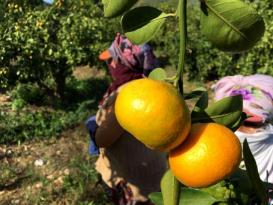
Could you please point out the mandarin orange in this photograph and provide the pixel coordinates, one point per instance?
(154, 112)
(210, 153)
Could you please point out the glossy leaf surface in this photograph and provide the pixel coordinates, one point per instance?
(227, 111)
(202, 102)
(142, 23)
(195, 93)
(188, 196)
(193, 196)
(170, 188)
(156, 198)
(231, 25)
(113, 8)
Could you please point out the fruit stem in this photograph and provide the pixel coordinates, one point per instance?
(182, 16)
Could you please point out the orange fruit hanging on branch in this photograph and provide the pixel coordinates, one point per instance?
(210, 153)
(154, 112)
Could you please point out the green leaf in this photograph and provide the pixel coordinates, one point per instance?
(142, 23)
(188, 196)
(237, 124)
(158, 74)
(113, 8)
(241, 179)
(202, 103)
(170, 188)
(195, 93)
(231, 25)
(156, 198)
(227, 111)
(252, 171)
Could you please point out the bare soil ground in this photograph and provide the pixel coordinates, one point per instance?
(54, 171)
(37, 167)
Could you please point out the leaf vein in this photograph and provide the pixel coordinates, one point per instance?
(225, 21)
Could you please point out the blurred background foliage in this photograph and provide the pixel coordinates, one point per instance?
(41, 44)
(205, 62)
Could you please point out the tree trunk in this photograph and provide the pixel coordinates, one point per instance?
(60, 85)
(59, 73)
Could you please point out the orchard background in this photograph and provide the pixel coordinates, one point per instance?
(51, 81)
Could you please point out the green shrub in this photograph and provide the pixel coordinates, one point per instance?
(29, 93)
(20, 121)
(18, 104)
(27, 124)
(80, 90)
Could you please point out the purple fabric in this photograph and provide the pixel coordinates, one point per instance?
(135, 57)
(256, 90)
(246, 94)
(128, 62)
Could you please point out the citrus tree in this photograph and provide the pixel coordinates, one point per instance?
(42, 44)
(11, 11)
(204, 164)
